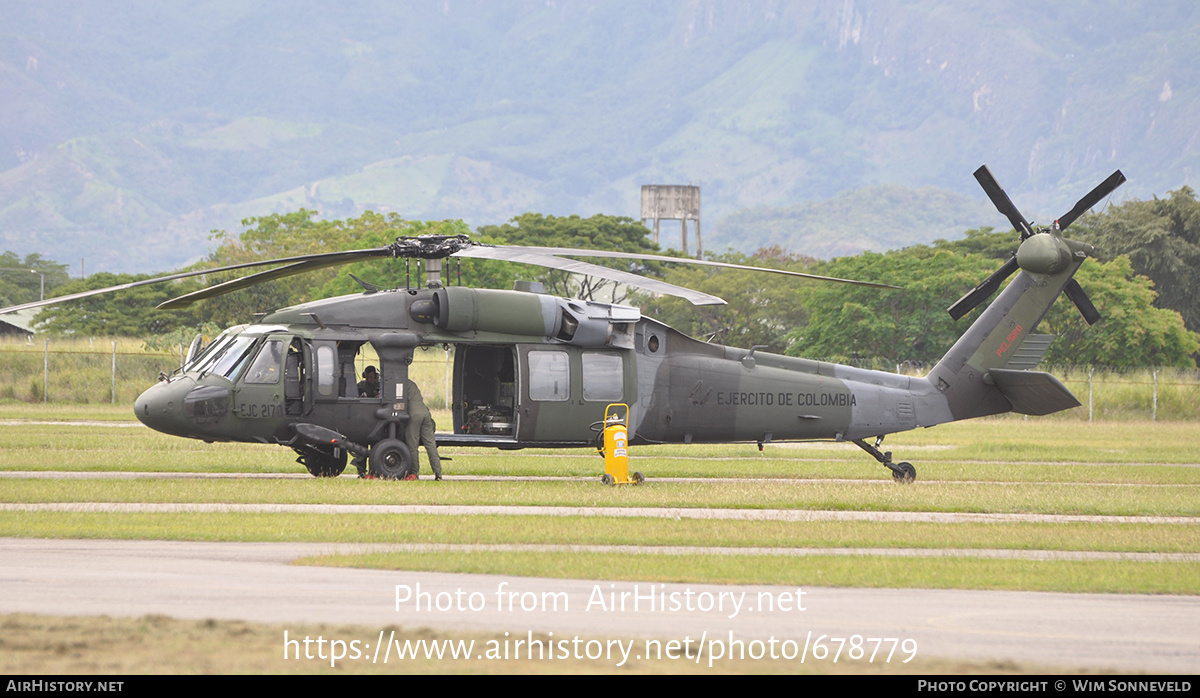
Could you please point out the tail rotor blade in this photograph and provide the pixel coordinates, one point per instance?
(1093, 197)
(1000, 199)
(1080, 298)
(984, 290)
(1005, 205)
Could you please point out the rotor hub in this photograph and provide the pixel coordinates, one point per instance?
(429, 246)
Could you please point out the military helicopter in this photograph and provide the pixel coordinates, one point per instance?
(534, 370)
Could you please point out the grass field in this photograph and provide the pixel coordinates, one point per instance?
(1058, 473)
(1000, 466)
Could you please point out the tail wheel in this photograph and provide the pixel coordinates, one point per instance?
(320, 463)
(391, 460)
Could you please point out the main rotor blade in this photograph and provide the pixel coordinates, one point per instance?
(576, 252)
(1080, 298)
(541, 256)
(1093, 197)
(323, 261)
(334, 257)
(1000, 199)
(526, 255)
(984, 290)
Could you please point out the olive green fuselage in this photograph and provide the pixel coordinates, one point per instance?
(531, 370)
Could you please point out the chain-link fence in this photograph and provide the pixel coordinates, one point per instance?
(74, 371)
(1142, 393)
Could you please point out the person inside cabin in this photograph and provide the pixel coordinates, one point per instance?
(369, 385)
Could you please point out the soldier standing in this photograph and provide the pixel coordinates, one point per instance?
(421, 430)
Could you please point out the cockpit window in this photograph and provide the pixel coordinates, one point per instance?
(233, 357)
(266, 365)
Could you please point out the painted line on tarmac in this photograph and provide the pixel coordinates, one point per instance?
(678, 513)
(984, 553)
(786, 445)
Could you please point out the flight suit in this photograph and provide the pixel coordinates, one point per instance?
(421, 429)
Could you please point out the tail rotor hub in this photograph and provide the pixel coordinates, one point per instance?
(1044, 254)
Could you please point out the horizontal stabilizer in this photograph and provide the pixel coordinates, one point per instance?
(1033, 392)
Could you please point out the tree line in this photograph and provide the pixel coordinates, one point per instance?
(1145, 282)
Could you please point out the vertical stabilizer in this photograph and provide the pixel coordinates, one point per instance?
(982, 373)
(965, 374)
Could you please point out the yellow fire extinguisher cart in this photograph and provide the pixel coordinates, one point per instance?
(616, 446)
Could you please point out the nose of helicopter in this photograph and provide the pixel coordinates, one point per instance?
(160, 407)
(181, 408)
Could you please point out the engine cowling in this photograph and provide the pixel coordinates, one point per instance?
(582, 323)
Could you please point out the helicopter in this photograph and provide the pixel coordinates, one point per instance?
(535, 370)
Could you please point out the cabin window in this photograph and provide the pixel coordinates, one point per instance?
(355, 358)
(326, 361)
(549, 376)
(265, 367)
(603, 377)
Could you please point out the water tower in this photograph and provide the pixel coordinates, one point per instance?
(673, 202)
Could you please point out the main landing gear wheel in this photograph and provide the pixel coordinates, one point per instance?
(391, 460)
(321, 464)
(904, 473)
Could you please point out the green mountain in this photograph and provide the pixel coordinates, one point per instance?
(132, 128)
(869, 218)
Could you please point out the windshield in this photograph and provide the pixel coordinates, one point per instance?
(211, 352)
(228, 357)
